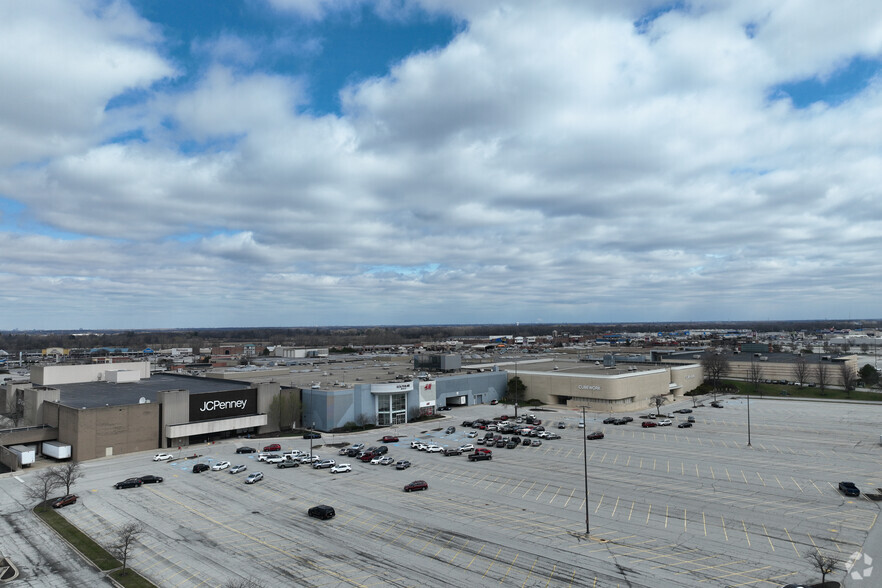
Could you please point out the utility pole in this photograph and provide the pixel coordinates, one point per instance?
(585, 458)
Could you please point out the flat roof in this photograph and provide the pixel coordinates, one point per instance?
(568, 366)
(95, 394)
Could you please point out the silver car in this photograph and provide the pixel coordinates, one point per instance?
(255, 477)
(238, 468)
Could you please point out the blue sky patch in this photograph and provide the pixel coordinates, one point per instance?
(345, 47)
(840, 86)
(644, 23)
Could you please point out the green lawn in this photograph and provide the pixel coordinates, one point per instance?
(798, 392)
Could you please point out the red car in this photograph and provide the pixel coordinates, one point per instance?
(595, 435)
(273, 447)
(481, 450)
(417, 485)
(64, 501)
(649, 424)
(503, 417)
(390, 439)
(369, 456)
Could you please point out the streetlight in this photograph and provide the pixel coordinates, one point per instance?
(516, 386)
(585, 457)
(311, 435)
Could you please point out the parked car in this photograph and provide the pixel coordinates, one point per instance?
(595, 435)
(163, 457)
(416, 485)
(289, 463)
(472, 434)
(449, 430)
(690, 419)
(386, 460)
(685, 425)
(341, 468)
(536, 443)
(221, 465)
(561, 425)
(273, 447)
(581, 424)
(246, 450)
(665, 423)
(390, 439)
(241, 468)
(64, 500)
(376, 460)
(684, 410)
(312, 435)
(609, 421)
(274, 459)
(358, 446)
(552, 436)
(434, 449)
(266, 456)
(255, 477)
(200, 467)
(481, 441)
(645, 424)
(310, 459)
(381, 450)
(479, 456)
(466, 447)
(130, 483)
(849, 489)
(151, 479)
(526, 441)
(323, 464)
(352, 452)
(452, 451)
(322, 511)
(494, 402)
(443, 408)
(402, 465)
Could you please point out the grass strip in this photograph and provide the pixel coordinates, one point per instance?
(82, 542)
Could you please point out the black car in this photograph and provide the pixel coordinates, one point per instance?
(479, 456)
(684, 410)
(381, 450)
(511, 445)
(246, 450)
(609, 421)
(450, 430)
(467, 423)
(628, 419)
(312, 435)
(685, 425)
(516, 440)
(443, 408)
(526, 441)
(353, 452)
(64, 501)
(130, 483)
(849, 489)
(452, 451)
(322, 511)
(200, 467)
(151, 479)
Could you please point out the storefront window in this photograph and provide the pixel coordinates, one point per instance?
(391, 409)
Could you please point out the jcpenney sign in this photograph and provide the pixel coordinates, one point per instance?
(221, 405)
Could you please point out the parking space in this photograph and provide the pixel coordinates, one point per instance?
(666, 506)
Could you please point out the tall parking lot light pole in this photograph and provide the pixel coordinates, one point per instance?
(516, 382)
(585, 457)
(311, 431)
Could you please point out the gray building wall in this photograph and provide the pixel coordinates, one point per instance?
(480, 388)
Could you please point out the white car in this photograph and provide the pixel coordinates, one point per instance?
(263, 455)
(415, 444)
(343, 451)
(434, 449)
(466, 447)
(472, 434)
(377, 460)
(221, 465)
(664, 423)
(341, 468)
(581, 424)
(162, 457)
(422, 447)
(274, 459)
(307, 459)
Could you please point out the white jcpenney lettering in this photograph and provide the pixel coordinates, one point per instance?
(223, 405)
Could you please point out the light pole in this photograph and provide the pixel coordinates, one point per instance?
(311, 433)
(585, 457)
(755, 377)
(516, 386)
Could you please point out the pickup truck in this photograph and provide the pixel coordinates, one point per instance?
(480, 456)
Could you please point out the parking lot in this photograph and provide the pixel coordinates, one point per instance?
(666, 506)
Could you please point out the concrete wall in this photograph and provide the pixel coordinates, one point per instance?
(485, 386)
(112, 430)
(53, 375)
(601, 393)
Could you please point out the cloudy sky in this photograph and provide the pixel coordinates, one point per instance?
(318, 162)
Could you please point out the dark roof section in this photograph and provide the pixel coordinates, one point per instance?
(95, 394)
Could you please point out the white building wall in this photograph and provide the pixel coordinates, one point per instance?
(53, 375)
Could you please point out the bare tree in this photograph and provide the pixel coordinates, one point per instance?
(67, 474)
(822, 375)
(849, 377)
(824, 564)
(715, 366)
(126, 537)
(800, 370)
(657, 401)
(755, 375)
(45, 483)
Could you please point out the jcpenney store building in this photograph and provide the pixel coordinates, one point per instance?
(164, 411)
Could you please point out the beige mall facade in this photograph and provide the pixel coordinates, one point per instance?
(619, 389)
